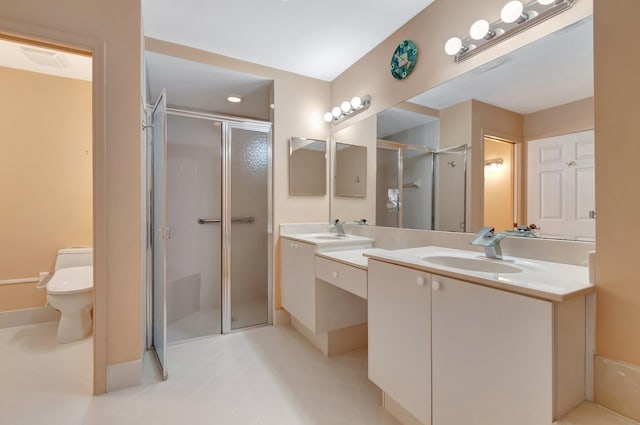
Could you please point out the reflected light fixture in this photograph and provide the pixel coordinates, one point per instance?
(493, 163)
(234, 98)
(515, 17)
(347, 109)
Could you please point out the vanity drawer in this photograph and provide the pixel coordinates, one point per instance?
(349, 278)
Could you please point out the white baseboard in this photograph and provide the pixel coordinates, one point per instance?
(618, 386)
(124, 375)
(28, 316)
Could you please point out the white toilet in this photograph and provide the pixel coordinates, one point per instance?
(70, 290)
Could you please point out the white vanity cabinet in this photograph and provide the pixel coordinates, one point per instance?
(491, 356)
(452, 352)
(298, 280)
(399, 314)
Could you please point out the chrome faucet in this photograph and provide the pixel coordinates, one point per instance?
(337, 224)
(490, 240)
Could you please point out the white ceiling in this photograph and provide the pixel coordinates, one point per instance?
(204, 87)
(395, 120)
(12, 55)
(319, 39)
(551, 71)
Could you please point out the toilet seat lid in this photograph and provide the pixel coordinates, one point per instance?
(71, 280)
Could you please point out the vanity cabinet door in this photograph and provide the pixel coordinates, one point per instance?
(491, 356)
(298, 281)
(399, 335)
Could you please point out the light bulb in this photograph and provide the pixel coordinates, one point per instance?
(328, 116)
(345, 106)
(512, 11)
(546, 2)
(479, 29)
(356, 102)
(336, 111)
(234, 99)
(453, 46)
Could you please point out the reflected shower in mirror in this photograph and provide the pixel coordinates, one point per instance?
(307, 166)
(350, 171)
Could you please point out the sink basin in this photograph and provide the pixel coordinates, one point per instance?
(472, 264)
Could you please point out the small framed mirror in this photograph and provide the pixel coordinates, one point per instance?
(351, 171)
(307, 166)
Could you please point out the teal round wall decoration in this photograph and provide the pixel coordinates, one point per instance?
(404, 59)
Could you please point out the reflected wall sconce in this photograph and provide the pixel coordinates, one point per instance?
(493, 163)
(348, 109)
(515, 17)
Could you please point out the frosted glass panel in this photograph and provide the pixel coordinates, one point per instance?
(249, 158)
(194, 183)
(450, 190)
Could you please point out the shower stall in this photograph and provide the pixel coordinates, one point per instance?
(419, 187)
(210, 225)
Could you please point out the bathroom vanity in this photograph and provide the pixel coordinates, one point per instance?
(453, 337)
(333, 301)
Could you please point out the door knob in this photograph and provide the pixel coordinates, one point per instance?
(435, 285)
(335, 275)
(420, 281)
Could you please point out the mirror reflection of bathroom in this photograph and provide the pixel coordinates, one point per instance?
(350, 170)
(46, 266)
(307, 166)
(499, 184)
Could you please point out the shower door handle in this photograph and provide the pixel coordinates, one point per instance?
(208, 220)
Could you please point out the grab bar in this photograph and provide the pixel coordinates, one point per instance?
(208, 220)
(234, 220)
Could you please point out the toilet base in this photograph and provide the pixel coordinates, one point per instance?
(74, 325)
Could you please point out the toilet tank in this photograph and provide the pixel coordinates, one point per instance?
(74, 257)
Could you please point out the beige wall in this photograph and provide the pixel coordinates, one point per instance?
(617, 108)
(429, 30)
(45, 164)
(564, 119)
(112, 30)
(300, 103)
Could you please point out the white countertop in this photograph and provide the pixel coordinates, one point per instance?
(540, 279)
(351, 257)
(331, 242)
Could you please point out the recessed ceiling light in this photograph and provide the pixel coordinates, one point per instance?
(234, 99)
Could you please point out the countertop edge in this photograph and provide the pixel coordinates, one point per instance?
(327, 256)
(546, 296)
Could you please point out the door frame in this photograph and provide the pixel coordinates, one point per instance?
(97, 48)
(519, 172)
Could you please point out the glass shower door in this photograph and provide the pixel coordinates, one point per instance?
(387, 192)
(247, 224)
(160, 231)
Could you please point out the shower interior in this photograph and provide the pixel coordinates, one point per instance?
(420, 187)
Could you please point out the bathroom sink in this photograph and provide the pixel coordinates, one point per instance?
(472, 264)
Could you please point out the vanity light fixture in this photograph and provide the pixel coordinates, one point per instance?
(234, 99)
(347, 109)
(515, 17)
(493, 163)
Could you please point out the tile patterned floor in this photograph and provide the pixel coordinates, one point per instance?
(264, 376)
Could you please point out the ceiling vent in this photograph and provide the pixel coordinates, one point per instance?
(46, 57)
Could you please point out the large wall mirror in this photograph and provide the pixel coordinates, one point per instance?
(507, 143)
(307, 166)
